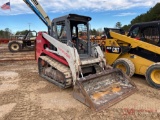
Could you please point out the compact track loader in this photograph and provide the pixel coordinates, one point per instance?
(67, 58)
(136, 53)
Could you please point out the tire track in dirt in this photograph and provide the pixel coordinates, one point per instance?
(9, 97)
(32, 87)
(144, 89)
(25, 54)
(24, 109)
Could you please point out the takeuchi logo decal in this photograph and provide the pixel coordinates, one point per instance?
(38, 41)
(65, 53)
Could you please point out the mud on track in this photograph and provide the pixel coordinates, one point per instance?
(26, 96)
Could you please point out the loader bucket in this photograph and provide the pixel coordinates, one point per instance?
(102, 90)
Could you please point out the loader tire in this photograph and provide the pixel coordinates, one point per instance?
(125, 65)
(153, 75)
(14, 46)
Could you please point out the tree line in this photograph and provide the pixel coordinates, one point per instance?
(6, 33)
(96, 32)
(152, 15)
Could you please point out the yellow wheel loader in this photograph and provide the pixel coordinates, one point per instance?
(136, 53)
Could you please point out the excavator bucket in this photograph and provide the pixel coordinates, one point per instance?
(102, 90)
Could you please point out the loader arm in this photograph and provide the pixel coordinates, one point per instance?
(38, 10)
(69, 53)
(72, 57)
(135, 43)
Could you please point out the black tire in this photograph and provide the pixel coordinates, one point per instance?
(14, 46)
(128, 66)
(153, 75)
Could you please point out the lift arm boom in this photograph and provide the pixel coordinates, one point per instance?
(38, 10)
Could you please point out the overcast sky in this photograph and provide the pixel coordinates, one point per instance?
(104, 13)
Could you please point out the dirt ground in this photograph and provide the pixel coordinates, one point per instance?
(26, 96)
(26, 53)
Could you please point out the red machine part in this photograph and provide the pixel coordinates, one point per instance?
(41, 44)
(4, 40)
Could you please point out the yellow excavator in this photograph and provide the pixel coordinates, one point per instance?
(67, 58)
(135, 53)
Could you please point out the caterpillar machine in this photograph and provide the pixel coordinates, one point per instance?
(68, 61)
(136, 53)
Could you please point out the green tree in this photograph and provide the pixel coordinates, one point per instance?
(126, 27)
(5, 33)
(93, 32)
(118, 25)
(23, 32)
(152, 15)
(99, 31)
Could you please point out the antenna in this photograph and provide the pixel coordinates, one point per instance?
(29, 25)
